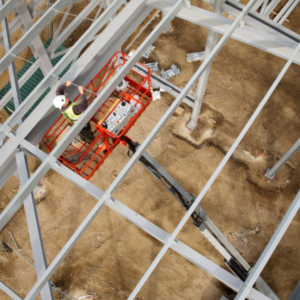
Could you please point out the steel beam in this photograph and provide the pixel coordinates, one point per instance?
(21, 81)
(207, 228)
(283, 10)
(296, 293)
(34, 31)
(34, 230)
(7, 8)
(211, 42)
(283, 160)
(150, 228)
(268, 251)
(43, 169)
(272, 44)
(270, 7)
(61, 24)
(262, 22)
(262, 10)
(9, 292)
(58, 40)
(105, 46)
(158, 127)
(288, 12)
(56, 70)
(11, 67)
(25, 16)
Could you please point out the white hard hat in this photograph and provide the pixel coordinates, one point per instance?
(59, 101)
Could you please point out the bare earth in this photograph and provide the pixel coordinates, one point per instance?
(113, 254)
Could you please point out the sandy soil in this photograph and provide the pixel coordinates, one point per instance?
(113, 254)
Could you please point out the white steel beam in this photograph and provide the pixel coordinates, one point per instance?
(52, 159)
(9, 292)
(34, 230)
(58, 40)
(268, 251)
(11, 68)
(283, 10)
(270, 7)
(7, 8)
(26, 39)
(272, 44)
(105, 45)
(61, 24)
(288, 12)
(150, 228)
(27, 21)
(158, 127)
(57, 69)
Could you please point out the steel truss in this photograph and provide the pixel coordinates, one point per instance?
(263, 34)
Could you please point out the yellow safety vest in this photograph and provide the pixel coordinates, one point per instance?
(69, 113)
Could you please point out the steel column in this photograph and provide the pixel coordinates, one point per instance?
(268, 251)
(211, 42)
(283, 160)
(34, 230)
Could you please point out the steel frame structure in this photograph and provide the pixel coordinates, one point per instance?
(249, 27)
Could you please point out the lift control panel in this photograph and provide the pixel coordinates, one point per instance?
(119, 117)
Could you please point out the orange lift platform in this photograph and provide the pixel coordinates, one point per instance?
(109, 124)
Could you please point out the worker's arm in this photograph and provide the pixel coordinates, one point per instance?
(61, 88)
(80, 108)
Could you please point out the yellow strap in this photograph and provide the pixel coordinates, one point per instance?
(108, 111)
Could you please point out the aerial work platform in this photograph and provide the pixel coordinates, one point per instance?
(110, 123)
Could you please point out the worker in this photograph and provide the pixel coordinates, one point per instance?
(72, 111)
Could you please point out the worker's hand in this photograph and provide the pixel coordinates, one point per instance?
(68, 83)
(80, 89)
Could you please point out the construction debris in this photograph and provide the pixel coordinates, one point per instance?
(153, 66)
(170, 73)
(179, 111)
(148, 51)
(197, 56)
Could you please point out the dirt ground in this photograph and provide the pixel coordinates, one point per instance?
(113, 254)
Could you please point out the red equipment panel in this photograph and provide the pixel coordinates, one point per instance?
(85, 158)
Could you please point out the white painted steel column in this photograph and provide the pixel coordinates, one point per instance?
(283, 160)
(268, 251)
(34, 230)
(211, 42)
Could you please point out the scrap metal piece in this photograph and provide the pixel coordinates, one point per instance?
(171, 72)
(148, 51)
(197, 56)
(153, 66)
